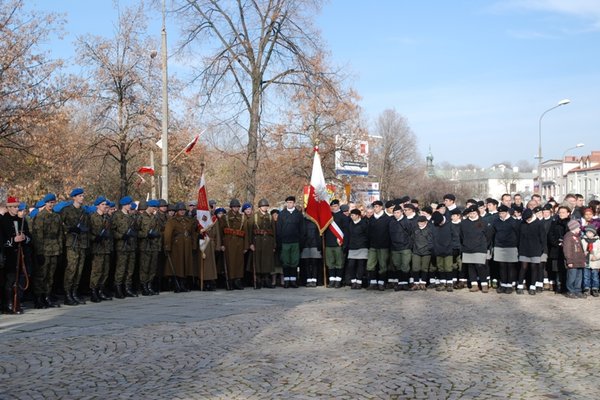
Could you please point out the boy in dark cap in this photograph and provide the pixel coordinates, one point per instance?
(379, 243)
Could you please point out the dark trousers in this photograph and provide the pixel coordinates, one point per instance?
(481, 271)
(355, 269)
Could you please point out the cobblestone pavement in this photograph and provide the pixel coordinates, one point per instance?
(305, 343)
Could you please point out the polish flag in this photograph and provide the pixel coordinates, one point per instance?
(317, 204)
(191, 144)
(202, 209)
(146, 170)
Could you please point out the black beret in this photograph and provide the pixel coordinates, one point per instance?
(422, 218)
(492, 201)
(334, 202)
(472, 201)
(290, 198)
(411, 206)
(274, 211)
(456, 211)
(377, 203)
(527, 213)
(427, 209)
(450, 196)
(404, 199)
(472, 208)
(537, 209)
(518, 209)
(437, 218)
(503, 208)
(389, 204)
(356, 211)
(398, 207)
(547, 207)
(480, 203)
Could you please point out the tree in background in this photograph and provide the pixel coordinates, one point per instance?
(253, 46)
(394, 156)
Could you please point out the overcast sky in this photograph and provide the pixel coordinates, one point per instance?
(471, 77)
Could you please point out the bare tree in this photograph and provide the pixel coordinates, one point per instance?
(395, 156)
(254, 46)
(30, 88)
(121, 102)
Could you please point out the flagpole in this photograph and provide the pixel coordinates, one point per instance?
(202, 255)
(152, 180)
(165, 112)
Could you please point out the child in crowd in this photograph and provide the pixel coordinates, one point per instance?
(591, 248)
(574, 260)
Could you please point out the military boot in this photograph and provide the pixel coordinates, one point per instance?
(129, 291)
(95, 298)
(102, 294)
(69, 301)
(119, 292)
(78, 299)
(149, 289)
(39, 302)
(50, 303)
(145, 291)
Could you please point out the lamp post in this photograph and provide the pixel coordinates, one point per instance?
(164, 162)
(539, 156)
(562, 167)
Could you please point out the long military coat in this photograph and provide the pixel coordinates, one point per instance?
(236, 242)
(180, 240)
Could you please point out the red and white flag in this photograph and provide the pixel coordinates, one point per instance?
(317, 204)
(146, 170)
(191, 144)
(202, 209)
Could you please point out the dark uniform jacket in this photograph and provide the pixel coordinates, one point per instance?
(531, 238)
(311, 237)
(442, 239)
(290, 226)
(423, 241)
(358, 235)
(506, 233)
(379, 232)
(401, 232)
(474, 236)
(343, 222)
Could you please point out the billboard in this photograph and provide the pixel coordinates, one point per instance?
(352, 156)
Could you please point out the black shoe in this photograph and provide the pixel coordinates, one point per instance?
(145, 291)
(119, 292)
(532, 292)
(149, 289)
(508, 290)
(520, 291)
(103, 295)
(381, 288)
(286, 284)
(69, 301)
(293, 284)
(338, 284)
(268, 284)
(570, 295)
(595, 293)
(129, 291)
(95, 297)
(50, 303)
(500, 290)
(39, 302)
(237, 284)
(78, 299)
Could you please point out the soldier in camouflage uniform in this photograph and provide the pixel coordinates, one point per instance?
(149, 240)
(101, 244)
(162, 216)
(48, 237)
(125, 231)
(76, 227)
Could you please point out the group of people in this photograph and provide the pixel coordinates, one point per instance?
(507, 245)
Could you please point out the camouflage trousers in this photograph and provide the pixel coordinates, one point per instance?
(75, 261)
(44, 275)
(148, 266)
(100, 267)
(125, 266)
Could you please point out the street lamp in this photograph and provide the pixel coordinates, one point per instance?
(563, 181)
(577, 146)
(539, 156)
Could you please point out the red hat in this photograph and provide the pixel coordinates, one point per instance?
(12, 201)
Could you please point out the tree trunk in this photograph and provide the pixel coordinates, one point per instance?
(252, 158)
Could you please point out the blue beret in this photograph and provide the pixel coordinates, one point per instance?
(220, 210)
(76, 192)
(39, 204)
(60, 205)
(49, 197)
(125, 200)
(99, 200)
(246, 206)
(33, 213)
(90, 209)
(153, 203)
(110, 203)
(133, 206)
(22, 206)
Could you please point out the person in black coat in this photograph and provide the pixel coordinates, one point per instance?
(459, 273)
(556, 259)
(401, 231)
(531, 247)
(442, 249)
(505, 251)
(379, 244)
(358, 249)
(546, 217)
(475, 235)
(310, 255)
(289, 232)
(334, 247)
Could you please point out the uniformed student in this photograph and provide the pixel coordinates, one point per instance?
(125, 231)
(101, 245)
(289, 231)
(505, 250)
(358, 249)
(379, 248)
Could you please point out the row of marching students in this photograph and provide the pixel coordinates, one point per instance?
(512, 249)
